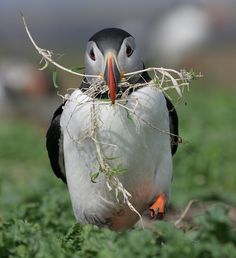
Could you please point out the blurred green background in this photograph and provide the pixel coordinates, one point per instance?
(204, 166)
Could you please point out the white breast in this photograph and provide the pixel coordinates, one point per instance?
(135, 141)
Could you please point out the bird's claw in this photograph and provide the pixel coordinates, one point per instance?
(158, 208)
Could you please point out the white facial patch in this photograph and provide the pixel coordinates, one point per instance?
(96, 66)
(129, 63)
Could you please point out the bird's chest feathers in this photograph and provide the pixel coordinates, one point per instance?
(128, 137)
(126, 132)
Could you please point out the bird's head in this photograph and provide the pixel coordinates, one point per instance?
(111, 53)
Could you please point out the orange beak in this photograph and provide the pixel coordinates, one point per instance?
(112, 77)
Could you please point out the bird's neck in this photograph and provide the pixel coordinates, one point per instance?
(144, 78)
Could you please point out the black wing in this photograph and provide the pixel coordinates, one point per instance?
(55, 146)
(174, 130)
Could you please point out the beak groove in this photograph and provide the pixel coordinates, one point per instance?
(112, 76)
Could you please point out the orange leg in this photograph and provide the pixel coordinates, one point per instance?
(158, 207)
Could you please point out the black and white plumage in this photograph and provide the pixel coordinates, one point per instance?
(145, 153)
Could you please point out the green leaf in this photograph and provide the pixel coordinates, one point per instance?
(117, 171)
(54, 78)
(94, 176)
(193, 74)
(111, 158)
(129, 116)
(156, 80)
(77, 69)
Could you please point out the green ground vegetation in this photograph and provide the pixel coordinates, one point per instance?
(36, 217)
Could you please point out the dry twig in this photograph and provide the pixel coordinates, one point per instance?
(184, 213)
(47, 55)
(164, 79)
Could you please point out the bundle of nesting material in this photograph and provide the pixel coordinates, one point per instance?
(94, 97)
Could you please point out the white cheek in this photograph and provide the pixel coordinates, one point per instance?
(130, 64)
(94, 67)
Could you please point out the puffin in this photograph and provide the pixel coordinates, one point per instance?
(136, 137)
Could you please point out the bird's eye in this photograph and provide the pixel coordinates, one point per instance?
(129, 50)
(92, 54)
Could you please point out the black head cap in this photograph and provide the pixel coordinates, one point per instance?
(109, 38)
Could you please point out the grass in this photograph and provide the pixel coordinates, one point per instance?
(205, 165)
(36, 217)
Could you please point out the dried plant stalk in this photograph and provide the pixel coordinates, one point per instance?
(163, 78)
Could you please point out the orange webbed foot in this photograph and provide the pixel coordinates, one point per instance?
(157, 209)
